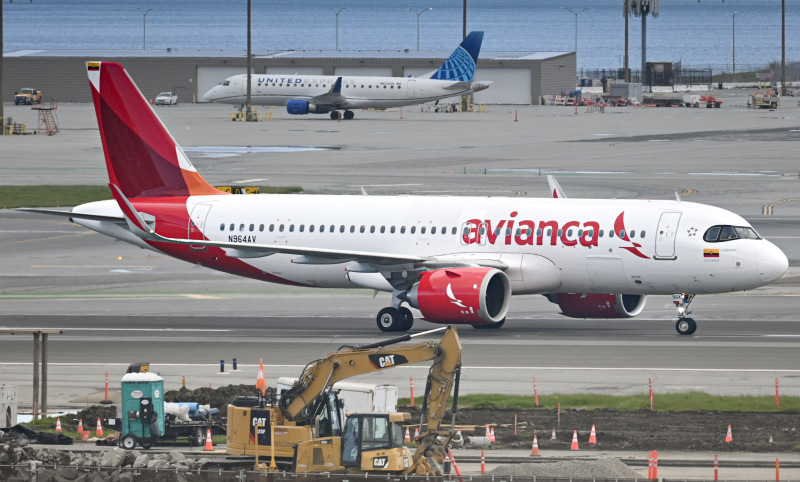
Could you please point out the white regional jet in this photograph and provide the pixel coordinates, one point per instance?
(456, 259)
(317, 94)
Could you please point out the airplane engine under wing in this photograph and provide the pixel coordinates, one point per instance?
(300, 107)
(462, 295)
(597, 305)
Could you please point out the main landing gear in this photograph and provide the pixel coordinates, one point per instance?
(684, 324)
(347, 115)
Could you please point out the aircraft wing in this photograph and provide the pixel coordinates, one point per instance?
(373, 261)
(555, 188)
(332, 98)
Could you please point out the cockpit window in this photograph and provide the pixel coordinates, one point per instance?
(747, 233)
(226, 82)
(716, 234)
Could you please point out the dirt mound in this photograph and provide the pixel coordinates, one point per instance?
(603, 468)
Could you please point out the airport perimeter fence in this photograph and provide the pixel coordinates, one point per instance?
(54, 473)
(677, 74)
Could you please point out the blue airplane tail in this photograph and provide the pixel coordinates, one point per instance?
(461, 64)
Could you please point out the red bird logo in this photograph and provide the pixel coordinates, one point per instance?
(619, 228)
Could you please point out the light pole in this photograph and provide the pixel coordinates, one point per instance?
(337, 12)
(418, 14)
(733, 30)
(144, 26)
(576, 30)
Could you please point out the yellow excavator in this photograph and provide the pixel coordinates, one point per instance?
(305, 431)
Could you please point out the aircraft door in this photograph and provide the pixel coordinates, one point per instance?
(665, 236)
(411, 88)
(197, 224)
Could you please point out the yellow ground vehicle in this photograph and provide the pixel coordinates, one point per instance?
(763, 100)
(306, 432)
(28, 96)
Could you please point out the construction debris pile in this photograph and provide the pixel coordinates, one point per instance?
(66, 465)
(603, 468)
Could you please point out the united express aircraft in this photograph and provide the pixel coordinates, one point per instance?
(455, 259)
(319, 94)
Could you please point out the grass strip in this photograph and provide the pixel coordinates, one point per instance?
(57, 195)
(678, 402)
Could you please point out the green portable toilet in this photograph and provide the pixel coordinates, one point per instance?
(142, 410)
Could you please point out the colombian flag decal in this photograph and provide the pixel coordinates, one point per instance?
(711, 253)
(94, 66)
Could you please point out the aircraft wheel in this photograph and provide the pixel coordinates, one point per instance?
(489, 326)
(408, 318)
(334, 115)
(348, 115)
(128, 442)
(686, 326)
(390, 319)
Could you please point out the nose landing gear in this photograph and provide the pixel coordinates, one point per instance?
(684, 325)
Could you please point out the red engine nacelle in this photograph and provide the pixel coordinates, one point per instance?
(462, 295)
(598, 305)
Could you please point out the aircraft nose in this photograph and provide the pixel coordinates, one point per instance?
(209, 96)
(772, 263)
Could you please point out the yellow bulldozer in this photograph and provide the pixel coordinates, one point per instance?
(305, 430)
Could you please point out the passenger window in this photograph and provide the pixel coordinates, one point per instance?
(261, 227)
(383, 229)
(433, 230)
(252, 227)
(280, 228)
(402, 230)
(372, 229)
(621, 233)
(352, 228)
(454, 230)
(391, 230)
(310, 228)
(641, 235)
(302, 227)
(222, 227)
(271, 228)
(413, 229)
(633, 234)
(291, 228)
(241, 227)
(569, 233)
(341, 228)
(362, 228)
(422, 230)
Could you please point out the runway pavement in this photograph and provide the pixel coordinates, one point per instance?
(119, 304)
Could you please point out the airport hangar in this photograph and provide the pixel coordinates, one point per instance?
(519, 77)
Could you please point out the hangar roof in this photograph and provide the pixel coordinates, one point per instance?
(292, 54)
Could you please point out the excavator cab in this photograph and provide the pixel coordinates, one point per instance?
(374, 441)
(371, 442)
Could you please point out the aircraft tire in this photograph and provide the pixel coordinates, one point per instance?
(334, 115)
(349, 115)
(489, 326)
(390, 319)
(408, 318)
(685, 326)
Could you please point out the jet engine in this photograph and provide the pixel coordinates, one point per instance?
(300, 107)
(598, 305)
(461, 295)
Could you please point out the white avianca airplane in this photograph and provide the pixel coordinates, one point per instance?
(456, 259)
(318, 94)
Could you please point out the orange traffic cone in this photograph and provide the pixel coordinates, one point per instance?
(58, 425)
(491, 435)
(416, 432)
(80, 426)
(209, 446)
(553, 437)
(535, 447)
(593, 436)
(488, 433)
(770, 438)
(408, 436)
(729, 437)
(99, 431)
(574, 445)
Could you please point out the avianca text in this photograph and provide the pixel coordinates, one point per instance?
(528, 232)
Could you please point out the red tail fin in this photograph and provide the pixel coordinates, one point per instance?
(141, 156)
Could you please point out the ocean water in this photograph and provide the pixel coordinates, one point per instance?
(697, 32)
